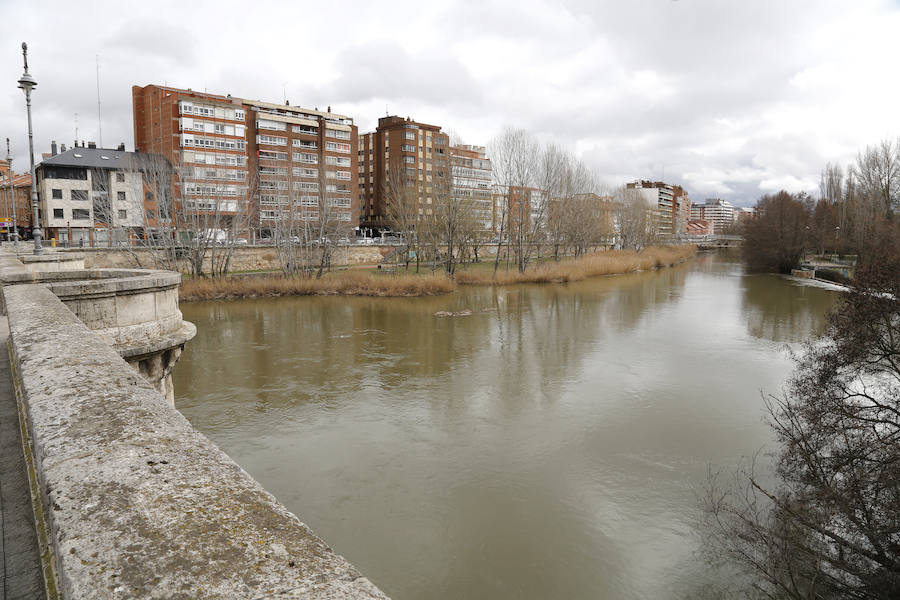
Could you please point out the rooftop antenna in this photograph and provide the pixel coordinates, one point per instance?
(99, 115)
(284, 92)
(386, 113)
(76, 129)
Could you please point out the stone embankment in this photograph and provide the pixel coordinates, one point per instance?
(131, 501)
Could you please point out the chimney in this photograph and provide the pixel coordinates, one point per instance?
(62, 147)
(53, 148)
(121, 147)
(287, 102)
(329, 109)
(92, 145)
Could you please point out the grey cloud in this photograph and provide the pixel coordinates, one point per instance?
(383, 69)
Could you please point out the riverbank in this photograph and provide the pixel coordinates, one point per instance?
(346, 283)
(611, 262)
(381, 284)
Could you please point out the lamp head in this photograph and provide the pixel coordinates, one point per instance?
(27, 82)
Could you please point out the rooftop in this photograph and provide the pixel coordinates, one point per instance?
(94, 158)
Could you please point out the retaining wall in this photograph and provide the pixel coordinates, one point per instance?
(136, 503)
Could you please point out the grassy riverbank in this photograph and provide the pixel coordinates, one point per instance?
(612, 262)
(379, 283)
(346, 283)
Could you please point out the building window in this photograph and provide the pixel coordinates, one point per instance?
(337, 147)
(80, 214)
(337, 133)
(120, 196)
(80, 195)
(120, 177)
(58, 213)
(148, 196)
(57, 194)
(123, 214)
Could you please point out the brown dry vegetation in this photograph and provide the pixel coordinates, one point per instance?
(357, 283)
(613, 262)
(344, 283)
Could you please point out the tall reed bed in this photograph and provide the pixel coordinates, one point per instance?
(360, 283)
(612, 262)
(348, 283)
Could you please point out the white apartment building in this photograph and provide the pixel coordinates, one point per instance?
(472, 173)
(671, 202)
(720, 214)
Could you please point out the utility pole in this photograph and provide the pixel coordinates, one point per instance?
(11, 196)
(26, 84)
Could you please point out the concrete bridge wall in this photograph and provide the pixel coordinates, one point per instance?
(134, 502)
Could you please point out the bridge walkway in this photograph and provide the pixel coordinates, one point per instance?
(20, 564)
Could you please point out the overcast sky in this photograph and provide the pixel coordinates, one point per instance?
(729, 99)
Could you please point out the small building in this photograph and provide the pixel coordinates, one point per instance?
(14, 191)
(90, 195)
(698, 228)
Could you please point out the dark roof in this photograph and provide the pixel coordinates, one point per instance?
(94, 158)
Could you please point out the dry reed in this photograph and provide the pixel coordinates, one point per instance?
(347, 283)
(612, 262)
(357, 283)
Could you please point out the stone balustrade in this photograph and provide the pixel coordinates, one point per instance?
(132, 501)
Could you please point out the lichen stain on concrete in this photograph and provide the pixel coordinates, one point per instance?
(139, 504)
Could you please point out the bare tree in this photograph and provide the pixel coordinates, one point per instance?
(831, 527)
(877, 172)
(831, 183)
(200, 212)
(638, 220)
(158, 231)
(513, 154)
(402, 210)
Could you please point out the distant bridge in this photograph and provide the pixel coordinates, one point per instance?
(714, 241)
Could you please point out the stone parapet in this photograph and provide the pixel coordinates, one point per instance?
(137, 503)
(134, 311)
(52, 261)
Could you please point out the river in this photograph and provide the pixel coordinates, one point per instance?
(550, 445)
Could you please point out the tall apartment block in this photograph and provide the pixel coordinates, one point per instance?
(472, 174)
(671, 202)
(419, 152)
(720, 214)
(247, 155)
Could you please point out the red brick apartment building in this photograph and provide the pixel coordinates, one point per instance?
(249, 155)
(418, 151)
(20, 194)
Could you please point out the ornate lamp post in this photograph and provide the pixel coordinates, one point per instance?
(12, 196)
(26, 84)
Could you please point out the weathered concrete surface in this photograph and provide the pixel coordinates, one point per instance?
(52, 261)
(20, 573)
(135, 311)
(138, 503)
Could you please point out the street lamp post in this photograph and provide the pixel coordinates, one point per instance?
(26, 84)
(12, 195)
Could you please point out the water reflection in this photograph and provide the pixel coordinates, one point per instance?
(786, 312)
(548, 445)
